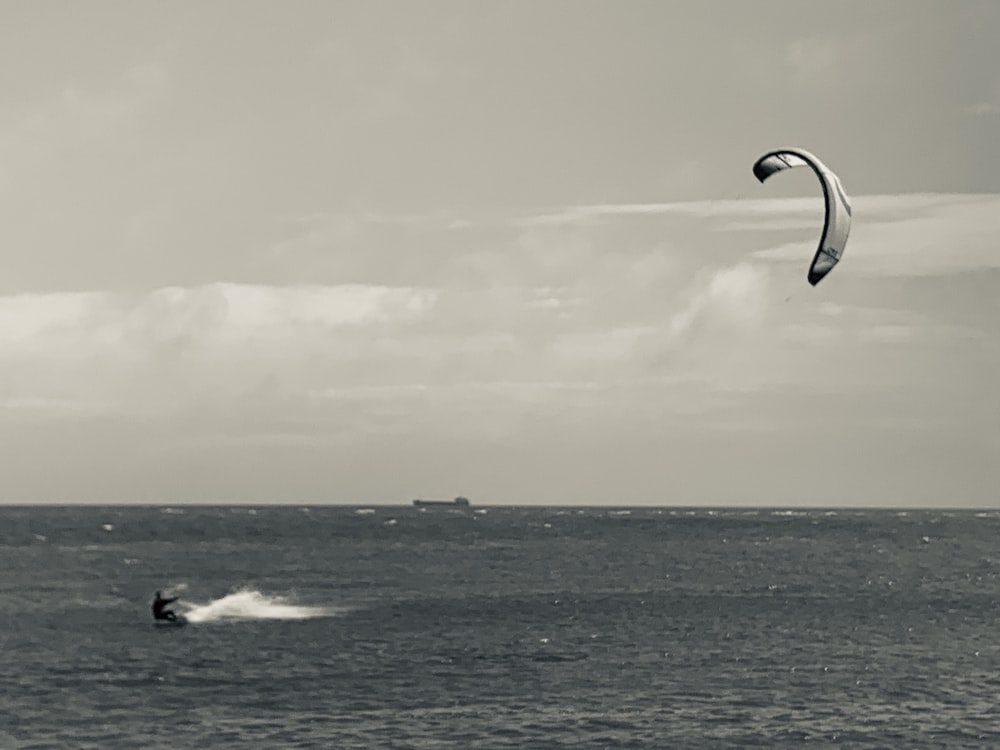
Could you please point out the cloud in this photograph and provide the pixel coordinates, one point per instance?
(603, 346)
(989, 105)
(618, 314)
(810, 334)
(924, 235)
(75, 115)
(731, 295)
(365, 357)
(592, 213)
(762, 214)
(174, 346)
(889, 334)
(983, 108)
(613, 287)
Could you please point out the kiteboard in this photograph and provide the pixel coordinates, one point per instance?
(180, 622)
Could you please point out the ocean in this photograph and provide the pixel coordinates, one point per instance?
(499, 627)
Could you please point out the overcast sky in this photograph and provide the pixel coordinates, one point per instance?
(363, 252)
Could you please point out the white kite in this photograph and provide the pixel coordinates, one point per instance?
(836, 225)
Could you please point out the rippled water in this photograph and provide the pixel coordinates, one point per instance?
(513, 627)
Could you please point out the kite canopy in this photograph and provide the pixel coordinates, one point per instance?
(836, 225)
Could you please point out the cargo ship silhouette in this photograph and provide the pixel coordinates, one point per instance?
(458, 502)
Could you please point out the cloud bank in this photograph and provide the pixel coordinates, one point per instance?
(600, 296)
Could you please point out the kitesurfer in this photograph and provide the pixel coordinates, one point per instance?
(159, 613)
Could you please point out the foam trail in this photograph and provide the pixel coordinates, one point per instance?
(248, 604)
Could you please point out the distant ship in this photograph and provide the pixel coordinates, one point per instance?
(458, 502)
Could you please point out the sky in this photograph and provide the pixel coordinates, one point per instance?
(363, 252)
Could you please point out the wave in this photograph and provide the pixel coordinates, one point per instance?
(250, 604)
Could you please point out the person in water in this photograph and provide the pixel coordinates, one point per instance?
(159, 613)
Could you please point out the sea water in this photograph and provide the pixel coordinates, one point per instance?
(396, 627)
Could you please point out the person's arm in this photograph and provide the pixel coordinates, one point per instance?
(173, 599)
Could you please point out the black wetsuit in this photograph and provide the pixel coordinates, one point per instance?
(159, 613)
